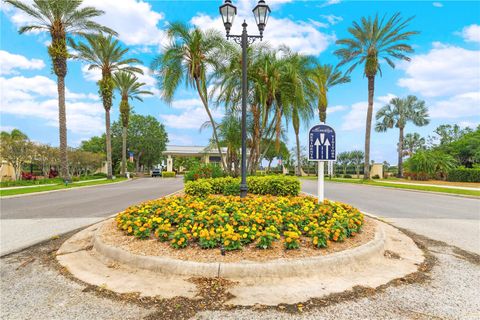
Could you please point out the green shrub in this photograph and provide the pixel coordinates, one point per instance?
(168, 174)
(200, 188)
(272, 185)
(464, 175)
(231, 189)
(376, 176)
(203, 171)
(347, 176)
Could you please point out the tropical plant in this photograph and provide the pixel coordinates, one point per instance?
(429, 164)
(129, 88)
(374, 39)
(60, 18)
(412, 143)
(16, 149)
(187, 58)
(325, 76)
(356, 157)
(344, 159)
(105, 53)
(397, 113)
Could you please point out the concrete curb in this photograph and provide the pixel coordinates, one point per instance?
(58, 190)
(278, 268)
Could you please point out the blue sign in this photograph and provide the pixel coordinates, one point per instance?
(321, 143)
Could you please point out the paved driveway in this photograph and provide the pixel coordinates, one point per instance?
(30, 219)
(454, 220)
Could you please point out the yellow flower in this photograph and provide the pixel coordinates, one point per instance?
(226, 242)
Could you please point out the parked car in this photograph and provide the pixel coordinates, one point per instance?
(156, 172)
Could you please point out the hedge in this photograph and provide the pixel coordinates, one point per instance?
(264, 185)
(464, 175)
(168, 174)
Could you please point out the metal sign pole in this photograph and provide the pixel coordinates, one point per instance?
(320, 182)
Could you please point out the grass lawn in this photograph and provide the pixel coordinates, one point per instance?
(12, 192)
(402, 186)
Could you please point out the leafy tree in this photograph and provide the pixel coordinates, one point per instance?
(148, 140)
(129, 88)
(94, 144)
(465, 150)
(448, 133)
(371, 40)
(60, 18)
(324, 76)
(356, 157)
(188, 56)
(270, 153)
(397, 113)
(105, 53)
(412, 143)
(46, 156)
(16, 148)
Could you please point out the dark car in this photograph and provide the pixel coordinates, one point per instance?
(156, 172)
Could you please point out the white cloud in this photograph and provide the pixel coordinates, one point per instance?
(332, 19)
(300, 36)
(329, 3)
(469, 124)
(9, 63)
(37, 97)
(443, 71)
(471, 33)
(437, 4)
(193, 114)
(356, 117)
(134, 20)
(334, 109)
(180, 140)
(6, 128)
(458, 106)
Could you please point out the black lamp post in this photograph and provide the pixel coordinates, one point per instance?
(261, 13)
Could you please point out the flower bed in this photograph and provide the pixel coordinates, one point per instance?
(231, 223)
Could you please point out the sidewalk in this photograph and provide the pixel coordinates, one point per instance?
(429, 185)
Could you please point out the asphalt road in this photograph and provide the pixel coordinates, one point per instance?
(30, 219)
(454, 220)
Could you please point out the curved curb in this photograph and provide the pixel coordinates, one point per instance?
(349, 258)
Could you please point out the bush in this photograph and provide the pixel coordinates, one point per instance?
(168, 174)
(201, 188)
(376, 176)
(231, 189)
(233, 223)
(203, 171)
(272, 185)
(464, 175)
(347, 176)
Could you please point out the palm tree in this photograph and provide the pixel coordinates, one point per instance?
(60, 18)
(356, 157)
(187, 58)
(397, 113)
(324, 77)
(343, 160)
(299, 94)
(105, 53)
(129, 88)
(373, 40)
(412, 143)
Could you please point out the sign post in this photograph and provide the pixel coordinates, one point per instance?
(322, 147)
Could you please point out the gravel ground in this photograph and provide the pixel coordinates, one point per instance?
(33, 286)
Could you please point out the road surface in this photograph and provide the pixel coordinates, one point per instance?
(451, 219)
(30, 219)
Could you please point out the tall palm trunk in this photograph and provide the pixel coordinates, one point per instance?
(62, 121)
(124, 150)
(368, 126)
(400, 153)
(322, 106)
(109, 143)
(215, 136)
(296, 128)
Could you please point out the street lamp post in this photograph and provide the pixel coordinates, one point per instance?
(228, 12)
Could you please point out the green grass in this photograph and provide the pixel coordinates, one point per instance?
(402, 186)
(12, 192)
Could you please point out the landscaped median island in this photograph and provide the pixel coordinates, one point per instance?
(275, 245)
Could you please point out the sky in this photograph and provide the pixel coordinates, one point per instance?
(444, 70)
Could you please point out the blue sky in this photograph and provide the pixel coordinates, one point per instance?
(444, 71)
